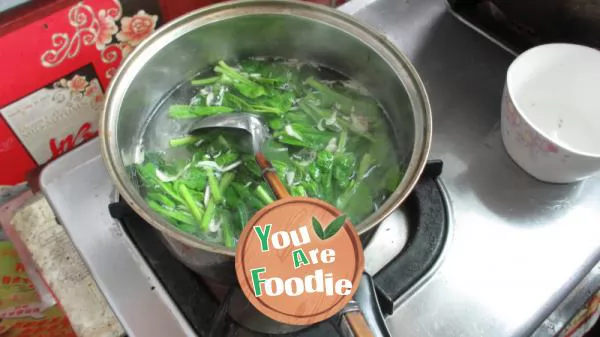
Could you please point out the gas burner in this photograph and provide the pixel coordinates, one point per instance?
(400, 254)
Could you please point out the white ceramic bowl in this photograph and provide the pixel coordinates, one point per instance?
(551, 112)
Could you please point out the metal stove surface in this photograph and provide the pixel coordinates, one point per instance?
(519, 246)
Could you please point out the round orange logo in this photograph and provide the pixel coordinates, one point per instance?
(299, 260)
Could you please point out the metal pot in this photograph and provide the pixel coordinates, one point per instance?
(298, 30)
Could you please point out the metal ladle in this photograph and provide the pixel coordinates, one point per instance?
(254, 125)
(241, 120)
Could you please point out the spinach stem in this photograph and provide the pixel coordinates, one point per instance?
(215, 191)
(228, 236)
(169, 190)
(208, 215)
(342, 142)
(162, 198)
(263, 195)
(225, 181)
(190, 202)
(206, 81)
(176, 142)
(177, 216)
(365, 164)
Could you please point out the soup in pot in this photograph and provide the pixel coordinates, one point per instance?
(329, 139)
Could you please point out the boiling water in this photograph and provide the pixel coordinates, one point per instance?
(161, 129)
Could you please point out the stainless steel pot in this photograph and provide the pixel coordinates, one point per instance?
(298, 30)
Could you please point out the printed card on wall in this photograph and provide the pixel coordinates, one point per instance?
(54, 71)
(56, 118)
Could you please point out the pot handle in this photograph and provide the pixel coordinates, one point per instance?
(366, 304)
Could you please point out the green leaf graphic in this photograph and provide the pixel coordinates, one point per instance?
(318, 228)
(334, 226)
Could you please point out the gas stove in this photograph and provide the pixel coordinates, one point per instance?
(400, 254)
(511, 251)
(145, 285)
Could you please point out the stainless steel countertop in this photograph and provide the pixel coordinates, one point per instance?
(520, 245)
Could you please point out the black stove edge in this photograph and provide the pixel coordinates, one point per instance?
(429, 212)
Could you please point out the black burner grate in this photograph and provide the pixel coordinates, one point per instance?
(427, 214)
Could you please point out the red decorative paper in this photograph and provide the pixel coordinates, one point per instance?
(46, 51)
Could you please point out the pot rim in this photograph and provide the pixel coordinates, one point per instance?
(397, 62)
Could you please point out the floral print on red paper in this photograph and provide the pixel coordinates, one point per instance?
(101, 29)
(126, 48)
(77, 83)
(107, 28)
(136, 28)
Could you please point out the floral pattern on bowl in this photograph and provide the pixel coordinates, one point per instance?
(533, 152)
(525, 134)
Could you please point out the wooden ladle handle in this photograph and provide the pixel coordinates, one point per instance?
(355, 319)
(271, 176)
